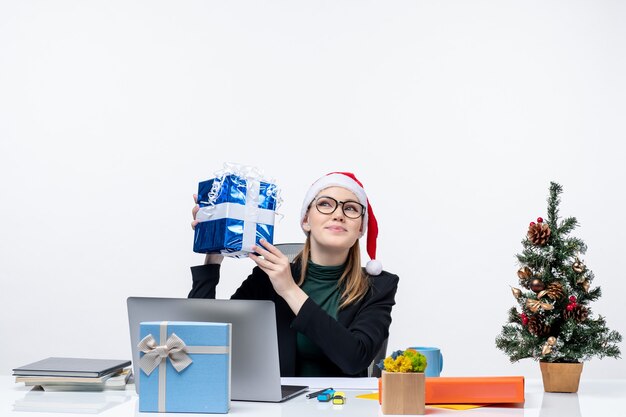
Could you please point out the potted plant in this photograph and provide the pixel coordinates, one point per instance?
(402, 383)
(553, 322)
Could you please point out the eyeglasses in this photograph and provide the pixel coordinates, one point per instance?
(351, 209)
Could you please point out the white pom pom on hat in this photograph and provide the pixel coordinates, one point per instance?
(349, 181)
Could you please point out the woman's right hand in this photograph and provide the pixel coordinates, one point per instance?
(211, 258)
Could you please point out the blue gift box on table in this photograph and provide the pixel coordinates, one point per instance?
(185, 367)
(235, 213)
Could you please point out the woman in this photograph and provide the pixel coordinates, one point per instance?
(332, 315)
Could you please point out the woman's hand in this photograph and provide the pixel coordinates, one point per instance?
(194, 212)
(211, 258)
(276, 266)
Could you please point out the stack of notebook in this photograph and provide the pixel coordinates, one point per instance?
(75, 374)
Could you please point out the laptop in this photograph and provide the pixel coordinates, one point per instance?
(255, 368)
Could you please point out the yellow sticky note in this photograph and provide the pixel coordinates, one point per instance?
(457, 406)
(372, 396)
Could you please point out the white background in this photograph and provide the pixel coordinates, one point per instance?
(456, 115)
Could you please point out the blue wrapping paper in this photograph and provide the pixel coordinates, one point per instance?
(204, 385)
(235, 213)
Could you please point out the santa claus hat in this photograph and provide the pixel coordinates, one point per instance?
(348, 181)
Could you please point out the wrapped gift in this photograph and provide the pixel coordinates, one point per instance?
(237, 210)
(185, 367)
(475, 390)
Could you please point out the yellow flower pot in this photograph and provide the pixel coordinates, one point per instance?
(403, 393)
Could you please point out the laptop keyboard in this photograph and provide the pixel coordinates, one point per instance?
(289, 390)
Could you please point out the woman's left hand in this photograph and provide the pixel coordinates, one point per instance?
(276, 265)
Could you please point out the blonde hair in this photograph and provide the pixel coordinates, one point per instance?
(353, 280)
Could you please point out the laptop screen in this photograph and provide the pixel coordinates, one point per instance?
(255, 368)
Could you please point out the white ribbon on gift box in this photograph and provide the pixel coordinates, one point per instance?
(250, 213)
(175, 349)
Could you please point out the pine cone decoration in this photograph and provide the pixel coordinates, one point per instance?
(539, 233)
(555, 291)
(578, 313)
(537, 326)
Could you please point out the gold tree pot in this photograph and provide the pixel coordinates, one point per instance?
(560, 377)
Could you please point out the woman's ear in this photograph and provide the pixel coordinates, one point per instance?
(305, 224)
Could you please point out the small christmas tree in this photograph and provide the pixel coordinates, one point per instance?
(554, 322)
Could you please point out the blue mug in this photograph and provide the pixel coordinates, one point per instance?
(434, 360)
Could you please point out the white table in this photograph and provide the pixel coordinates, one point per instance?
(595, 398)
